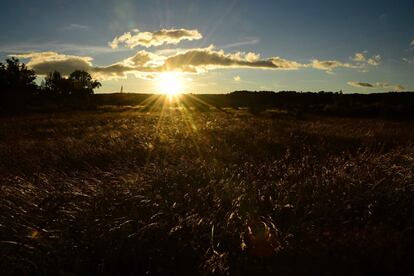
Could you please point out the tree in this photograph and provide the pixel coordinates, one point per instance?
(56, 85)
(16, 79)
(83, 84)
(79, 83)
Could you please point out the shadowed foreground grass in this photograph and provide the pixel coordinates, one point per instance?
(203, 193)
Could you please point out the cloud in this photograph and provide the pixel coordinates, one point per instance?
(361, 84)
(143, 65)
(358, 61)
(146, 64)
(329, 65)
(45, 62)
(204, 59)
(53, 46)
(383, 85)
(408, 60)
(148, 39)
(241, 43)
(412, 43)
(237, 78)
(76, 27)
(361, 59)
(374, 61)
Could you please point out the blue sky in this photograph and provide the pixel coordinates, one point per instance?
(303, 45)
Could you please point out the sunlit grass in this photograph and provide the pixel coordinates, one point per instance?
(169, 188)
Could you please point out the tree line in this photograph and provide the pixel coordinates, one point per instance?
(17, 82)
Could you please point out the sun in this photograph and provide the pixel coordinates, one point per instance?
(170, 84)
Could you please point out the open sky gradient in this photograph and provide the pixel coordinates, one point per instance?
(218, 45)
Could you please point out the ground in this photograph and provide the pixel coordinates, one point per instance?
(191, 192)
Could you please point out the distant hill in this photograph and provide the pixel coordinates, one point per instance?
(392, 105)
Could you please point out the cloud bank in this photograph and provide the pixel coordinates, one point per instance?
(383, 85)
(149, 39)
(45, 62)
(144, 64)
(204, 59)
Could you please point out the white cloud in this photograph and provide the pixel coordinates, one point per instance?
(237, 78)
(146, 64)
(374, 61)
(358, 61)
(148, 39)
(359, 57)
(204, 59)
(45, 62)
(329, 65)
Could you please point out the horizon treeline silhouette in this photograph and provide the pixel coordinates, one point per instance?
(20, 92)
(17, 81)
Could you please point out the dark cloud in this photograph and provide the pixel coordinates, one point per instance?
(383, 85)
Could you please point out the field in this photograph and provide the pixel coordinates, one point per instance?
(221, 192)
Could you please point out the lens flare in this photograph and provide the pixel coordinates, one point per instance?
(170, 84)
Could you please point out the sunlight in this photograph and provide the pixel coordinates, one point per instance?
(170, 84)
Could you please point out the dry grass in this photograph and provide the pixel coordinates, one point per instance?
(204, 192)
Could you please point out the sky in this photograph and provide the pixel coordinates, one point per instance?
(217, 46)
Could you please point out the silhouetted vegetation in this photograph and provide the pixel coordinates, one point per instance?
(392, 105)
(56, 92)
(182, 192)
(21, 93)
(16, 80)
(246, 183)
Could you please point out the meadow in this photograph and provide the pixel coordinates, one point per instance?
(186, 192)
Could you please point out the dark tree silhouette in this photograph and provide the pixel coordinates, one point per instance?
(79, 83)
(55, 85)
(16, 80)
(83, 84)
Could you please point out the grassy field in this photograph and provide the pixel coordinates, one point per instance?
(185, 193)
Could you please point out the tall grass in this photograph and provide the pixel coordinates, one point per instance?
(204, 193)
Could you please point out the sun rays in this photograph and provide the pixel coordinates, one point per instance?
(173, 105)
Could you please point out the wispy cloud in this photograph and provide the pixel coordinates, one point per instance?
(158, 38)
(412, 42)
(54, 46)
(381, 85)
(76, 27)
(409, 60)
(241, 43)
